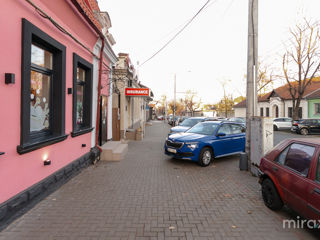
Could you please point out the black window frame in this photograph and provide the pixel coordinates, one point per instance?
(290, 112)
(87, 98)
(261, 112)
(267, 112)
(30, 142)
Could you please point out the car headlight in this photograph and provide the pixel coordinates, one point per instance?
(192, 145)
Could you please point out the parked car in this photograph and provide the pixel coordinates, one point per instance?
(307, 126)
(186, 124)
(282, 123)
(237, 119)
(241, 120)
(290, 175)
(160, 117)
(173, 121)
(295, 124)
(205, 141)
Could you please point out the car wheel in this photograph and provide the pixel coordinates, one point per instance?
(275, 128)
(304, 131)
(205, 157)
(270, 195)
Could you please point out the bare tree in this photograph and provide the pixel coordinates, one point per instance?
(301, 62)
(190, 102)
(265, 79)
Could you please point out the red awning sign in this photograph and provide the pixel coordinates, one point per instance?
(137, 92)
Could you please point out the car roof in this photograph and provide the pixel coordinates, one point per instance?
(304, 140)
(196, 118)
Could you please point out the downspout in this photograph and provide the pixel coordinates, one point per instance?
(99, 94)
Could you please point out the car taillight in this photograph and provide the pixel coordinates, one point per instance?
(295, 124)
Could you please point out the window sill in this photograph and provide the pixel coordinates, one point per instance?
(28, 147)
(80, 132)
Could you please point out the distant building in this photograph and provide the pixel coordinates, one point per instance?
(129, 109)
(278, 103)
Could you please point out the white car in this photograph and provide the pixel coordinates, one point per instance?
(282, 123)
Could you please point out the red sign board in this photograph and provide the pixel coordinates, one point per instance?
(137, 92)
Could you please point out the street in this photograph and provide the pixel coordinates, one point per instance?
(281, 135)
(150, 196)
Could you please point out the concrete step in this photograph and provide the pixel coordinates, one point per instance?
(107, 150)
(120, 152)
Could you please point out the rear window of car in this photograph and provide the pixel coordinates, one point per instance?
(299, 158)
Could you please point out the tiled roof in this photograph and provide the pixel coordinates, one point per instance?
(314, 95)
(88, 6)
(284, 94)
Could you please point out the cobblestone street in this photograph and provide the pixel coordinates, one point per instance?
(150, 196)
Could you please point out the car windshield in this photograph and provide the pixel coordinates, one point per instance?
(204, 128)
(190, 122)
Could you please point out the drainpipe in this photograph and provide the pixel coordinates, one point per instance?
(99, 94)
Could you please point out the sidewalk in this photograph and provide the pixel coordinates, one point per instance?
(150, 196)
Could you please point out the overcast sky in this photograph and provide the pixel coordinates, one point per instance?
(210, 50)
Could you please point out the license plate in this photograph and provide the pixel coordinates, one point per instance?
(172, 150)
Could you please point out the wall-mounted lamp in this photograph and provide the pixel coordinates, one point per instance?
(46, 161)
(9, 78)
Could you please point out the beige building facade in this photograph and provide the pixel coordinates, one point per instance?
(129, 112)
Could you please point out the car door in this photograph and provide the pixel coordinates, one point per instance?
(238, 137)
(292, 174)
(318, 126)
(223, 144)
(287, 123)
(314, 193)
(313, 125)
(281, 123)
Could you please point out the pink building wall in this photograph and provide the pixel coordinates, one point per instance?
(18, 172)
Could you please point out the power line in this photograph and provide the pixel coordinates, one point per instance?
(157, 52)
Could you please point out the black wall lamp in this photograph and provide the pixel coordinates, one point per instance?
(46, 162)
(9, 78)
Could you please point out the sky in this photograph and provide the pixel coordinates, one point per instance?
(212, 50)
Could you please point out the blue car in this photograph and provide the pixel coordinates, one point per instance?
(207, 140)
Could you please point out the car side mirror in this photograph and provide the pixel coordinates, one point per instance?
(221, 134)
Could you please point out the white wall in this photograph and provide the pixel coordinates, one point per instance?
(240, 112)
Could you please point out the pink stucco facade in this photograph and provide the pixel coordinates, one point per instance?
(19, 172)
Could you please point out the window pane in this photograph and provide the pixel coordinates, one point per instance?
(282, 157)
(236, 129)
(225, 128)
(41, 57)
(81, 75)
(79, 119)
(318, 171)
(299, 158)
(39, 101)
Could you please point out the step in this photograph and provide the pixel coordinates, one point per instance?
(120, 152)
(107, 150)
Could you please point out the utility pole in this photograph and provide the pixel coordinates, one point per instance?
(174, 101)
(252, 70)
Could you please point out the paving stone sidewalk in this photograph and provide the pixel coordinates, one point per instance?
(150, 196)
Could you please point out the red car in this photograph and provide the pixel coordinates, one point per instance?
(290, 175)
